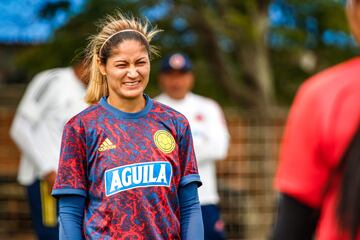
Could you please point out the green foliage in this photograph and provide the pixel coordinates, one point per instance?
(68, 42)
(324, 15)
(229, 42)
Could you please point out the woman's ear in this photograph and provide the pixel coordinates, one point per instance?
(101, 67)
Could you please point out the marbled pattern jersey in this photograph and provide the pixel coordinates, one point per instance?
(129, 167)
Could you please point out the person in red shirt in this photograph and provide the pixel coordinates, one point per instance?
(318, 176)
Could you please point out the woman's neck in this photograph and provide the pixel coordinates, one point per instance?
(127, 105)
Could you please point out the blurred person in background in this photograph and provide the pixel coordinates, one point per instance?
(318, 176)
(210, 133)
(50, 100)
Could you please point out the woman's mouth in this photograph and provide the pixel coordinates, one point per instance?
(133, 83)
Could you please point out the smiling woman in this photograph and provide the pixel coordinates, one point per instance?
(119, 61)
(127, 74)
(128, 157)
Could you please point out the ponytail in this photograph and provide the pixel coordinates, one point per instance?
(348, 209)
(97, 87)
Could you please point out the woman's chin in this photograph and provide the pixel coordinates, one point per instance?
(133, 94)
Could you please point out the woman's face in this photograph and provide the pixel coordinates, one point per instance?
(127, 71)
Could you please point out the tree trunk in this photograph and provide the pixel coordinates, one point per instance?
(255, 61)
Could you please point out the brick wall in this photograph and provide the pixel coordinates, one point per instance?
(14, 212)
(9, 155)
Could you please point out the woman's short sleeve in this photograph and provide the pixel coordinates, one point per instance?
(71, 176)
(189, 169)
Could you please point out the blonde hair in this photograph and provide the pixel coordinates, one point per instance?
(113, 30)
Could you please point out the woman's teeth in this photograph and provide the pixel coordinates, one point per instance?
(131, 83)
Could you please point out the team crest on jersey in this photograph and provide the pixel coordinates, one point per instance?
(164, 141)
(138, 175)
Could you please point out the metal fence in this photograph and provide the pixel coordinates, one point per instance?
(245, 178)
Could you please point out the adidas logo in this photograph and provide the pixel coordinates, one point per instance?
(106, 145)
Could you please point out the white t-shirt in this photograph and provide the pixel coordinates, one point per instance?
(50, 100)
(210, 135)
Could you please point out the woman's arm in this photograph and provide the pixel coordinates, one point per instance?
(295, 220)
(28, 139)
(71, 215)
(211, 144)
(190, 212)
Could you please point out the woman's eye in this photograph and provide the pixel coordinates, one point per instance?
(121, 65)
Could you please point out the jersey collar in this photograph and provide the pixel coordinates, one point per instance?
(103, 102)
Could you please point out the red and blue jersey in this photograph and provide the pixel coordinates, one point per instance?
(129, 167)
(322, 121)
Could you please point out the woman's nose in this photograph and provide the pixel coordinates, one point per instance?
(132, 72)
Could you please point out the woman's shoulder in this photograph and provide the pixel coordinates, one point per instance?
(167, 111)
(87, 115)
(170, 118)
